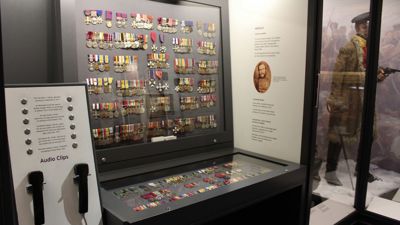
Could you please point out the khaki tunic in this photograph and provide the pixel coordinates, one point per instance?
(345, 100)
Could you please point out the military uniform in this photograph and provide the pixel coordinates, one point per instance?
(345, 100)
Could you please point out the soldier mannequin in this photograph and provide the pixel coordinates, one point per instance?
(345, 100)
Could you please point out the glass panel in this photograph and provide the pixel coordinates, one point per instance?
(153, 73)
(342, 76)
(385, 154)
(147, 195)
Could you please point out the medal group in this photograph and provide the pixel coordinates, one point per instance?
(175, 63)
(159, 192)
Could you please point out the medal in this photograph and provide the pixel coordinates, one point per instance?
(106, 65)
(106, 41)
(101, 40)
(119, 19)
(199, 28)
(101, 63)
(110, 109)
(153, 36)
(94, 39)
(163, 49)
(93, 17)
(89, 36)
(91, 62)
(99, 14)
(123, 109)
(87, 17)
(108, 19)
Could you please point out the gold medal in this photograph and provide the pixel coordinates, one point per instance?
(109, 23)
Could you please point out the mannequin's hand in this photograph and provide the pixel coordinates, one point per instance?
(381, 75)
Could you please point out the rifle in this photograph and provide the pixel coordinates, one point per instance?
(387, 71)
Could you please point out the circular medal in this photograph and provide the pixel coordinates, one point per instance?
(123, 112)
(89, 44)
(109, 23)
(145, 46)
(101, 68)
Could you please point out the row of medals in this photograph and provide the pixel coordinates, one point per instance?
(181, 126)
(136, 110)
(140, 24)
(187, 103)
(123, 45)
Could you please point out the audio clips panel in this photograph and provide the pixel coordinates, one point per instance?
(51, 152)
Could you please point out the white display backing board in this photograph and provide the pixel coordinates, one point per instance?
(329, 212)
(53, 153)
(385, 207)
(397, 196)
(274, 31)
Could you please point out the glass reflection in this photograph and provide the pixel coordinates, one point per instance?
(343, 65)
(385, 153)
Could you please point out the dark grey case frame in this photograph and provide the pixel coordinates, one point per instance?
(108, 159)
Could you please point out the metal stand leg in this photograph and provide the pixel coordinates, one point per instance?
(346, 159)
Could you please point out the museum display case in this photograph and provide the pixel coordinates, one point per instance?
(155, 71)
(358, 169)
(161, 106)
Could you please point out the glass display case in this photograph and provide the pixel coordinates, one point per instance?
(159, 83)
(359, 98)
(158, 74)
(154, 70)
(141, 197)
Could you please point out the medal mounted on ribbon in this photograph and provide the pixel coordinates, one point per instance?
(163, 48)
(142, 21)
(207, 86)
(207, 67)
(167, 25)
(153, 37)
(158, 79)
(207, 101)
(121, 19)
(189, 103)
(108, 18)
(184, 84)
(186, 26)
(206, 48)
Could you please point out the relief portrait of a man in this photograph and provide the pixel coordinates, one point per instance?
(262, 77)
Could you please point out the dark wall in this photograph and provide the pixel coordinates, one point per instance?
(7, 204)
(28, 41)
(29, 56)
